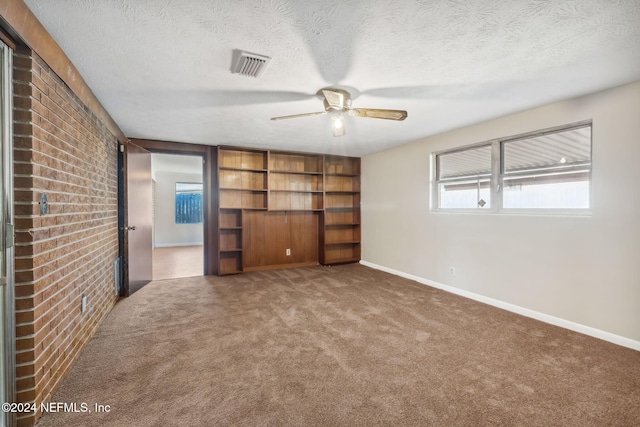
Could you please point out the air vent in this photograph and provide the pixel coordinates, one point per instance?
(249, 64)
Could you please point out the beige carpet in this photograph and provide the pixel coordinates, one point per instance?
(340, 346)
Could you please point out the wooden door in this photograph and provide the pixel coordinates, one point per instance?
(139, 218)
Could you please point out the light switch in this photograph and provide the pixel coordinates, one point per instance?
(44, 204)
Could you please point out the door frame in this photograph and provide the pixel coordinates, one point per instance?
(210, 200)
(6, 204)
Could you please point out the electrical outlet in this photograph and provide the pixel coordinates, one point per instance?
(452, 271)
(288, 253)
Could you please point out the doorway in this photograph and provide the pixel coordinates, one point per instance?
(7, 312)
(178, 215)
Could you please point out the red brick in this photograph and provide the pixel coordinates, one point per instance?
(60, 148)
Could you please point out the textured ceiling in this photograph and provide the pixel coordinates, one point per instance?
(161, 67)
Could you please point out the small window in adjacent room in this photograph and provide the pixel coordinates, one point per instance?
(188, 203)
(464, 178)
(548, 171)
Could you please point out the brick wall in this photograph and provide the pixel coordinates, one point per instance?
(63, 150)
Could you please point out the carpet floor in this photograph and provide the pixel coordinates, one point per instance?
(339, 346)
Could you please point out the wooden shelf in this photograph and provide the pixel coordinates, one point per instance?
(296, 210)
(296, 191)
(230, 218)
(342, 260)
(340, 210)
(341, 184)
(243, 169)
(237, 179)
(288, 162)
(295, 181)
(244, 159)
(280, 200)
(294, 172)
(229, 263)
(270, 201)
(341, 220)
(343, 174)
(250, 190)
(243, 185)
(243, 199)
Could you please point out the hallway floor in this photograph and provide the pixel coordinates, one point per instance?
(177, 262)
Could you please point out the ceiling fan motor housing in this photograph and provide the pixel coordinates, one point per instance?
(336, 99)
(345, 107)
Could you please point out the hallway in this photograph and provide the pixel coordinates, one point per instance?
(178, 261)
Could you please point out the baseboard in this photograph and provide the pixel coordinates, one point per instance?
(171, 245)
(563, 323)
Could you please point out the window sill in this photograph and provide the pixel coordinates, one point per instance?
(566, 213)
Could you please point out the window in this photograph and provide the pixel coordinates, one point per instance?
(464, 179)
(548, 170)
(188, 203)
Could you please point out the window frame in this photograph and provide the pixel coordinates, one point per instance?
(437, 182)
(498, 176)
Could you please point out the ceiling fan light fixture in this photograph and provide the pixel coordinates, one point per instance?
(337, 102)
(337, 125)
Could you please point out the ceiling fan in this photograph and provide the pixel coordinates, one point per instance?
(338, 101)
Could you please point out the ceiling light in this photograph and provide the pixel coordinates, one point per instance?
(563, 160)
(338, 125)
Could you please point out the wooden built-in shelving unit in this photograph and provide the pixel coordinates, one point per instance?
(272, 200)
(243, 181)
(230, 232)
(295, 182)
(242, 176)
(340, 234)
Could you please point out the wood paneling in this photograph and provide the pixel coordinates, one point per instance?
(267, 236)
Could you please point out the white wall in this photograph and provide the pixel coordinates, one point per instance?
(583, 270)
(166, 231)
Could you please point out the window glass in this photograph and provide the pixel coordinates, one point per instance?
(550, 171)
(188, 203)
(465, 194)
(464, 179)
